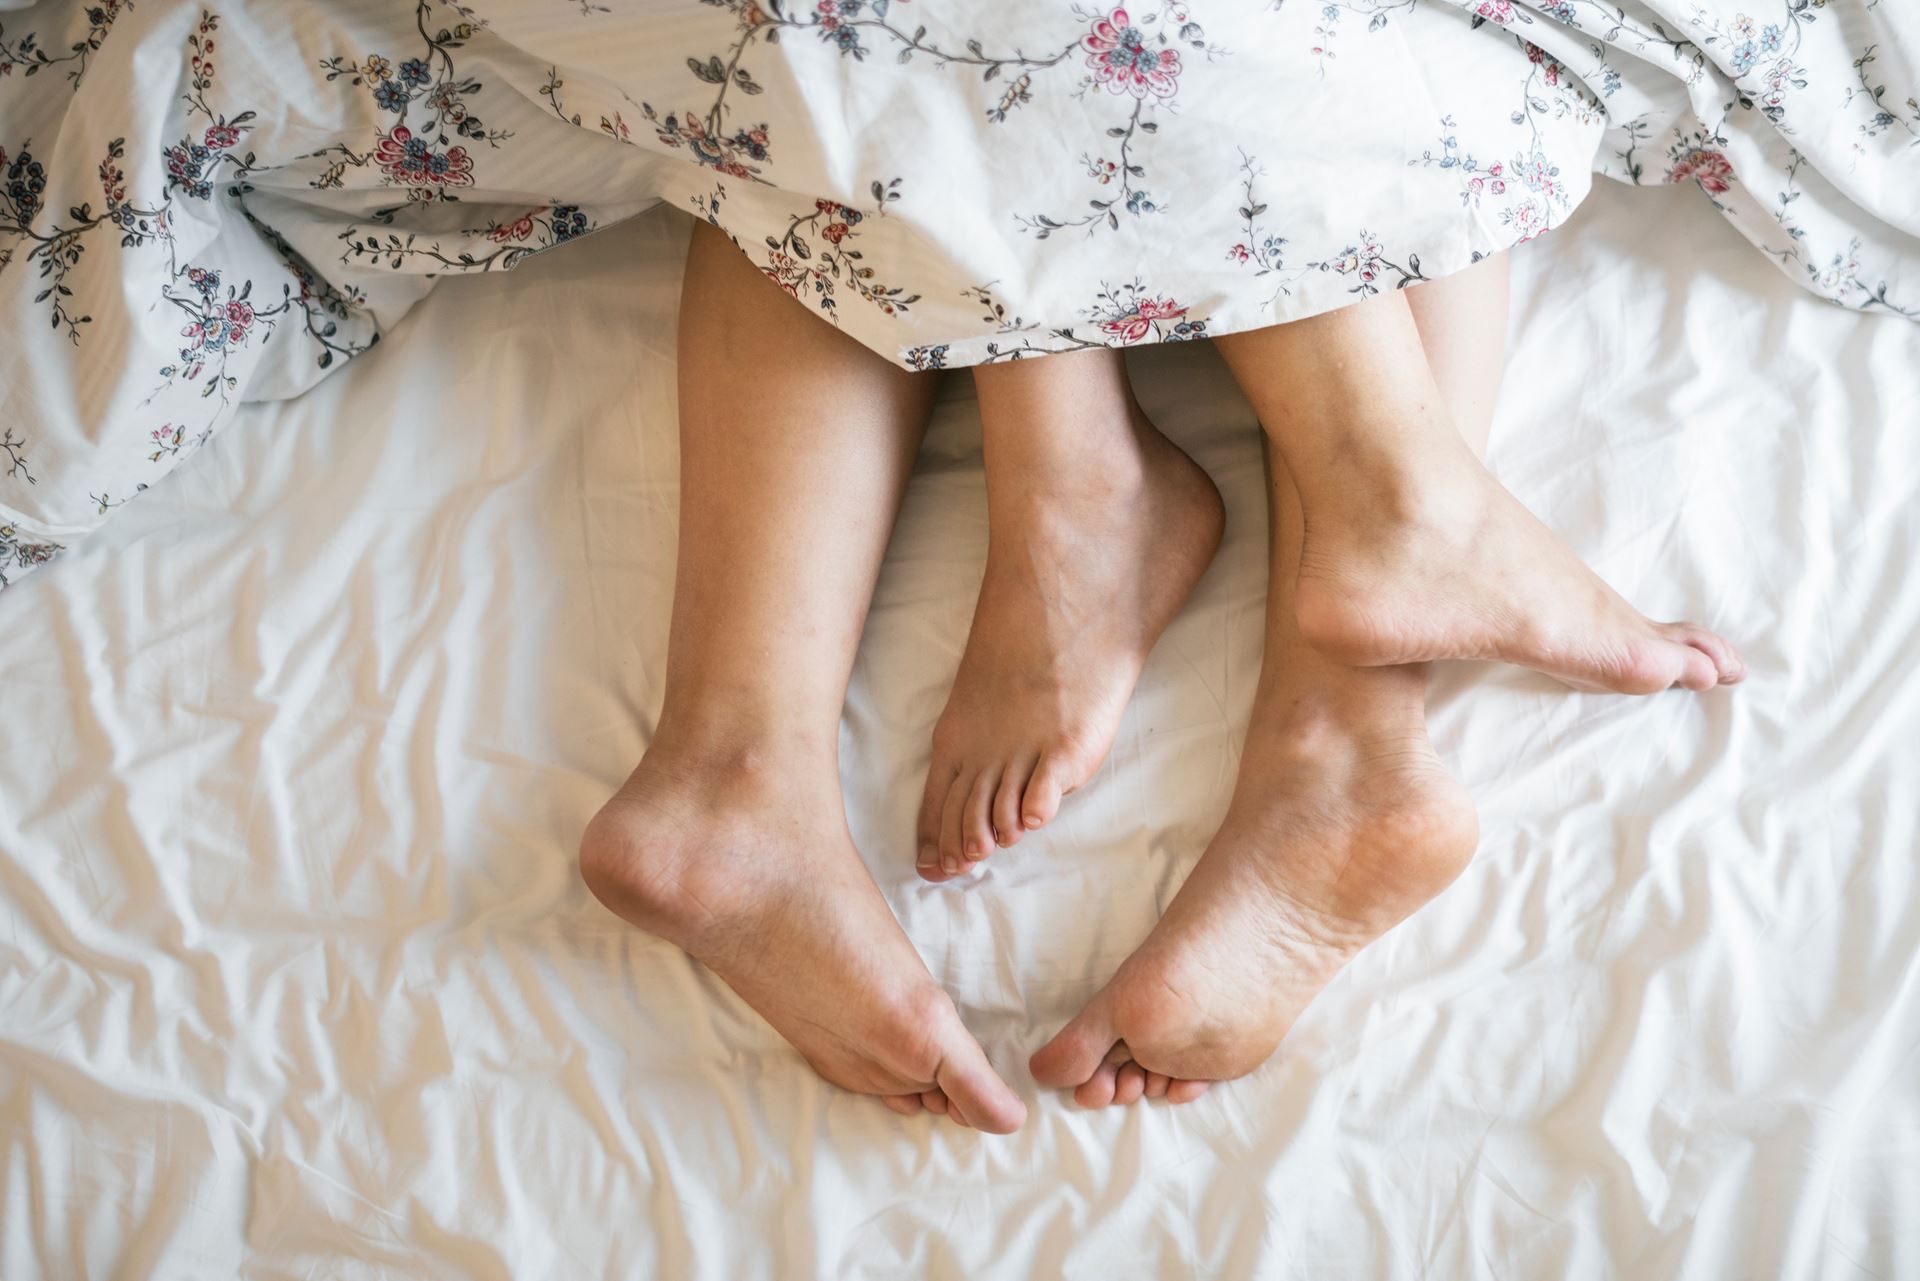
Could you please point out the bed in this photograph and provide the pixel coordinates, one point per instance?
(298, 977)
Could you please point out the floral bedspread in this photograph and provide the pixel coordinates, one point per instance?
(203, 204)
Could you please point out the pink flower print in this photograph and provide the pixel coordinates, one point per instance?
(1540, 57)
(519, 229)
(783, 271)
(1708, 168)
(1529, 218)
(1498, 12)
(220, 137)
(1117, 51)
(1135, 325)
(405, 158)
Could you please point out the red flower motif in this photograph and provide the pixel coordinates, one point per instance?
(519, 229)
(1498, 12)
(405, 158)
(1710, 169)
(239, 316)
(835, 232)
(1117, 51)
(1134, 326)
(220, 137)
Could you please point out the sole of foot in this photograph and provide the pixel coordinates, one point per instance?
(752, 872)
(1464, 571)
(1331, 841)
(1081, 579)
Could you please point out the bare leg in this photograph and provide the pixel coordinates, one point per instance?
(730, 839)
(1343, 821)
(1462, 320)
(1099, 527)
(1412, 551)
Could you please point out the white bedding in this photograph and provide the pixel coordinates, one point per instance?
(298, 979)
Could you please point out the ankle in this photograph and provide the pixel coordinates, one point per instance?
(1042, 481)
(1376, 478)
(1381, 716)
(743, 758)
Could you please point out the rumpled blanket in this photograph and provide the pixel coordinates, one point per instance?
(202, 205)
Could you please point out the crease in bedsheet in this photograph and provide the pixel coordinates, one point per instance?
(276, 848)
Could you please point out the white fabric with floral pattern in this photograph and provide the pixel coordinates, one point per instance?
(205, 205)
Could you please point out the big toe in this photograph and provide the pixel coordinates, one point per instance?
(979, 1097)
(942, 778)
(1076, 1052)
(1729, 668)
(975, 1094)
(1698, 671)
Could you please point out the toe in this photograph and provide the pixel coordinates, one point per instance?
(1097, 1092)
(1186, 1091)
(1727, 664)
(1129, 1084)
(951, 841)
(976, 820)
(1076, 1050)
(1103, 1086)
(904, 1104)
(976, 1096)
(934, 1101)
(1007, 826)
(1697, 670)
(1044, 790)
(1157, 1085)
(926, 828)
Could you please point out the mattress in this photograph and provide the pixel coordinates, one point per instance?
(298, 977)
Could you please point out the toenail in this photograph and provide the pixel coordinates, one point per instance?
(1032, 822)
(950, 865)
(929, 856)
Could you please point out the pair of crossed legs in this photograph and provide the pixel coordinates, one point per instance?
(1391, 546)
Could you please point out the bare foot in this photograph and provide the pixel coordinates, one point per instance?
(1461, 570)
(749, 867)
(1085, 569)
(1332, 839)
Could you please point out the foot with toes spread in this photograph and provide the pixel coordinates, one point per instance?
(1391, 546)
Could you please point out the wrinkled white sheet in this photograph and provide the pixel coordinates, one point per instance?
(297, 978)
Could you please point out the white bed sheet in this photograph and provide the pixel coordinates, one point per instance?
(298, 979)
